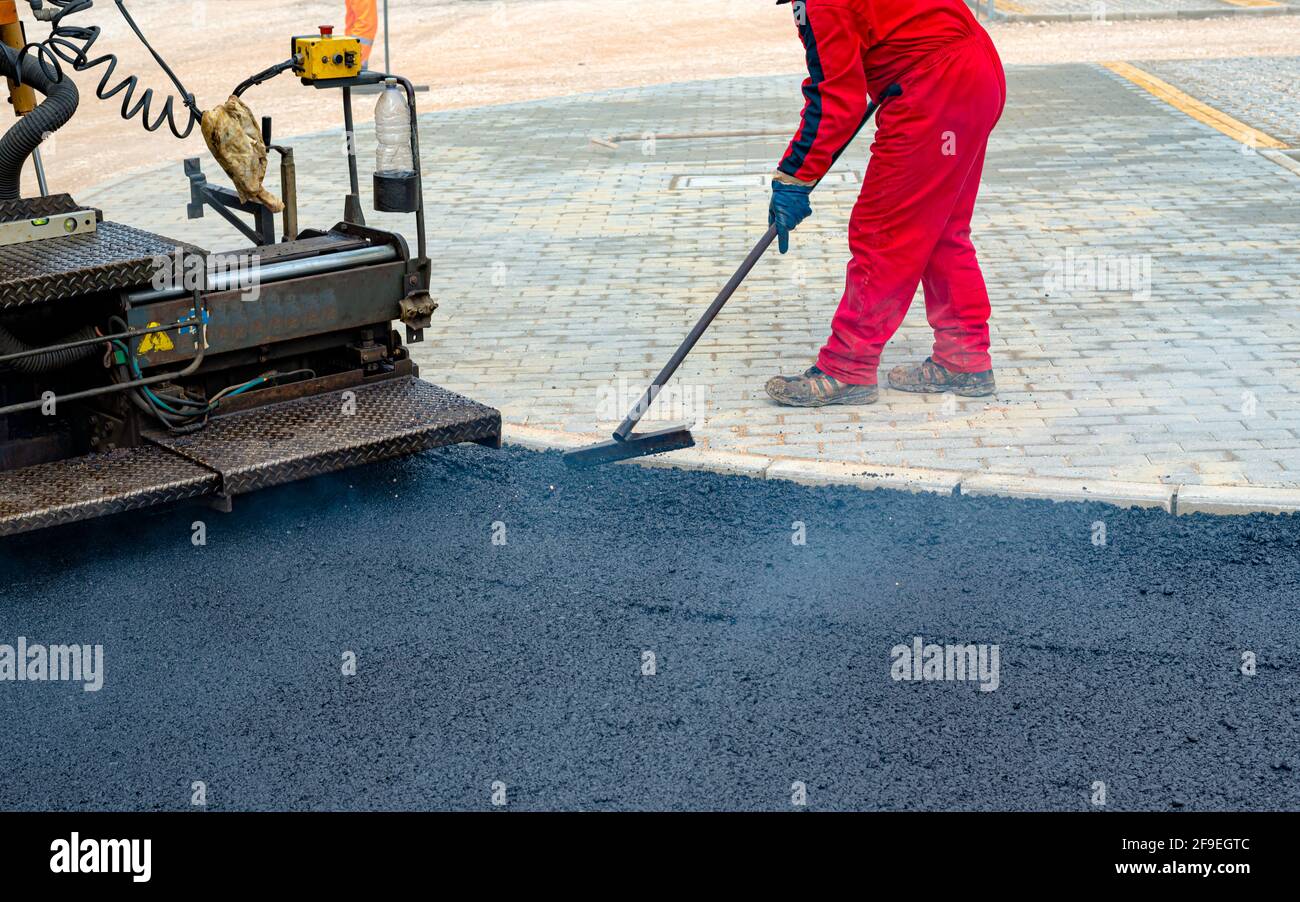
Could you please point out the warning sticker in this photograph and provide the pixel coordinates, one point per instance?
(154, 341)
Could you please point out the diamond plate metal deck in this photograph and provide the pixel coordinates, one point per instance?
(82, 488)
(246, 451)
(294, 440)
(115, 256)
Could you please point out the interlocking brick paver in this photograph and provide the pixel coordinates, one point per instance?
(568, 272)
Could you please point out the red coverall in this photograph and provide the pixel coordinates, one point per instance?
(911, 222)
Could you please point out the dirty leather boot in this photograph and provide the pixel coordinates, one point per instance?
(930, 377)
(817, 389)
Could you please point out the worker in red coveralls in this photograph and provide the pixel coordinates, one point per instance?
(363, 22)
(911, 223)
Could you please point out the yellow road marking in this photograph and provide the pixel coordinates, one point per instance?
(1202, 112)
(1011, 7)
(1253, 4)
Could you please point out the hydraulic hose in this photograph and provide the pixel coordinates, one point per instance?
(50, 360)
(264, 75)
(25, 136)
(73, 43)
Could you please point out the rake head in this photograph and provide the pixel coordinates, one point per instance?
(672, 439)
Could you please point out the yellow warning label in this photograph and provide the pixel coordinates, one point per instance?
(154, 341)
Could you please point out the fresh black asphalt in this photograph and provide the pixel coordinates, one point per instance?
(522, 662)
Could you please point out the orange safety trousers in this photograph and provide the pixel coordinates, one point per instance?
(363, 23)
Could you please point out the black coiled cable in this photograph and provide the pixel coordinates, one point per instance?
(72, 43)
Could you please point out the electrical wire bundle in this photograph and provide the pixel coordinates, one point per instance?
(72, 44)
(179, 413)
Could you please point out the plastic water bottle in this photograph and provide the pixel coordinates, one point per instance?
(393, 130)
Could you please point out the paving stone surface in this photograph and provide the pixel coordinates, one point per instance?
(568, 272)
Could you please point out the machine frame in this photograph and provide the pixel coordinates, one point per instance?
(307, 378)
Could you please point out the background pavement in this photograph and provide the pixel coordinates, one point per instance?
(1259, 91)
(567, 272)
(522, 662)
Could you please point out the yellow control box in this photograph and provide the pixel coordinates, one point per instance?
(325, 56)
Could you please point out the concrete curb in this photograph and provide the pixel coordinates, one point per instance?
(1153, 15)
(1243, 499)
(1282, 158)
(903, 479)
(1172, 499)
(1120, 494)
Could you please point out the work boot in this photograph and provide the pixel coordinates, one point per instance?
(930, 377)
(817, 389)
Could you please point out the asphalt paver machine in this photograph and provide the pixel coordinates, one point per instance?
(137, 370)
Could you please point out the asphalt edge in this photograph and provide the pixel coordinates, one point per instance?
(1176, 500)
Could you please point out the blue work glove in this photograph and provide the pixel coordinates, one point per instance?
(789, 207)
